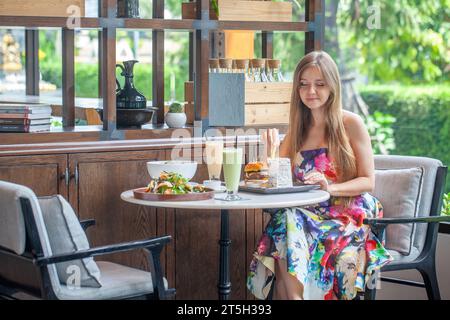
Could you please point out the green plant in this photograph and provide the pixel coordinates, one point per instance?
(446, 205)
(380, 129)
(215, 6)
(422, 114)
(176, 107)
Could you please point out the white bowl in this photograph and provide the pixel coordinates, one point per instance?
(186, 168)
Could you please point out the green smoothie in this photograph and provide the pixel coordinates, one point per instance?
(232, 163)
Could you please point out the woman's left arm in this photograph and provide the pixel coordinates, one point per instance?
(362, 148)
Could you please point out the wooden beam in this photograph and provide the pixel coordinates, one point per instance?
(68, 77)
(201, 77)
(315, 13)
(109, 68)
(32, 62)
(267, 44)
(158, 63)
(101, 13)
(191, 56)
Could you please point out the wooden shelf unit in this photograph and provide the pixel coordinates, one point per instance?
(199, 47)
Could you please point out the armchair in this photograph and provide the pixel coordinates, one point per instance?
(28, 264)
(423, 250)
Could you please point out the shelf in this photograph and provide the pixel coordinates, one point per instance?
(87, 133)
(263, 26)
(158, 24)
(45, 22)
(202, 45)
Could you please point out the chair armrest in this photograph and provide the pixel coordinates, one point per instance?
(87, 223)
(386, 221)
(150, 244)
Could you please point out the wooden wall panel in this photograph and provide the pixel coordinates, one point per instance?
(43, 174)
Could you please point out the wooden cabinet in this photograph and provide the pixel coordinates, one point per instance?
(44, 174)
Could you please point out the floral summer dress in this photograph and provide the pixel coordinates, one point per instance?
(326, 247)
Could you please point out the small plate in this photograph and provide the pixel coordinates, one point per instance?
(220, 189)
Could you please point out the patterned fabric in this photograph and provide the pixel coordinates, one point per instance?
(326, 246)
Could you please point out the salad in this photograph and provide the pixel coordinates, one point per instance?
(172, 183)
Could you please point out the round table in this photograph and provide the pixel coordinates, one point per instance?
(250, 201)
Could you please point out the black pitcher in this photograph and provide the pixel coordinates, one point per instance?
(128, 97)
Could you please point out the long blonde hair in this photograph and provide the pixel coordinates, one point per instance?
(301, 117)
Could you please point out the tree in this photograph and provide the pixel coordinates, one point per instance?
(404, 40)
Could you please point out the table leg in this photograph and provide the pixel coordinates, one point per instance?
(224, 285)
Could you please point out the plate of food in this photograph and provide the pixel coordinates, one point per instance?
(266, 188)
(257, 180)
(171, 186)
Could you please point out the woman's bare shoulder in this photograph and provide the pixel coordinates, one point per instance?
(355, 128)
(352, 121)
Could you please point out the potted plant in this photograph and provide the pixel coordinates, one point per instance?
(175, 117)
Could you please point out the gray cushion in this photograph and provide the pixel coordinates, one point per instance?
(66, 235)
(118, 282)
(12, 226)
(399, 192)
(429, 178)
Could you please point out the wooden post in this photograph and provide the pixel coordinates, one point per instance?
(109, 67)
(267, 44)
(101, 13)
(315, 13)
(158, 63)
(201, 76)
(32, 62)
(68, 78)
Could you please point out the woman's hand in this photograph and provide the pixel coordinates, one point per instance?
(315, 177)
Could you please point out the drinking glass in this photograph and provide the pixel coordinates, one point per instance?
(214, 158)
(232, 163)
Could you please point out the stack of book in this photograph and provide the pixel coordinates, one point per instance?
(15, 117)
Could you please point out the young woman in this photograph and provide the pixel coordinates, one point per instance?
(322, 251)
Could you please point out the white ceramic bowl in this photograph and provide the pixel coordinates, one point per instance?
(186, 168)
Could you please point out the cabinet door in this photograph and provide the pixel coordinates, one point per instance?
(44, 174)
(100, 178)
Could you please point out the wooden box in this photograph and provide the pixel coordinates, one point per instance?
(236, 102)
(240, 10)
(45, 8)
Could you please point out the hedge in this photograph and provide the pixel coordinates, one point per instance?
(422, 126)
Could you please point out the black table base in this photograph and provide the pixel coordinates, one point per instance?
(224, 285)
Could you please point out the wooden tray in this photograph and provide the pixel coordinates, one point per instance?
(293, 189)
(194, 196)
